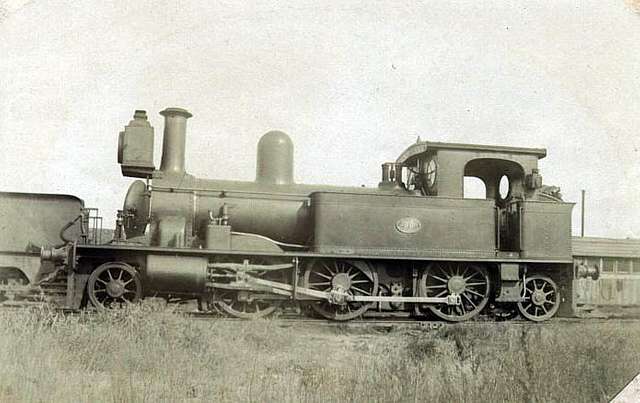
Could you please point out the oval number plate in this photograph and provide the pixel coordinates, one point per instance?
(408, 225)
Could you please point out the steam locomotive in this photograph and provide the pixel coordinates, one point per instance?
(412, 246)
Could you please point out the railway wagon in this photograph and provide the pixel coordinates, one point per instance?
(413, 244)
(28, 222)
(616, 289)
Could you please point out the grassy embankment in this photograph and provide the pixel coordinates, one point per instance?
(146, 355)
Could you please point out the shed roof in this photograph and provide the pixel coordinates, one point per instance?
(606, 247)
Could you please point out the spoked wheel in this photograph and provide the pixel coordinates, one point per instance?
(469, 280)
(541, 298)
(241, 304)
(114, 284)
(353, 277)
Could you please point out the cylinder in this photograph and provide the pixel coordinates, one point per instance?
(175, 274)
(275, 159)
(174, 139)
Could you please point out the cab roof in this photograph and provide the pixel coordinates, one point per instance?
(423, 146)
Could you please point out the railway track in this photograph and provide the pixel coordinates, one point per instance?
(373, 323)
(406, 323)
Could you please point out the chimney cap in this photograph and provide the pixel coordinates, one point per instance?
(176, 111)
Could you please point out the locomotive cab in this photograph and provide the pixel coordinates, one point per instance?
(531, 221)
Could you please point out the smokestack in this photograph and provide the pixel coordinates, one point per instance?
(174, 138)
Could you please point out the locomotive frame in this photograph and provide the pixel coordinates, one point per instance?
(411, 245)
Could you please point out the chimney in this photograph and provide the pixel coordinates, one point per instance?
(173, 142)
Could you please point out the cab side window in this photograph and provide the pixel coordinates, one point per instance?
(474, 188)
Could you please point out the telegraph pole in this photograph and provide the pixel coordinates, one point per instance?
(582, 215)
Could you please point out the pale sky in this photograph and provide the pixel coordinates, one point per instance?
(352, 83)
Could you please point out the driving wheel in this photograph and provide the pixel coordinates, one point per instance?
(468, 280)
(351, 277)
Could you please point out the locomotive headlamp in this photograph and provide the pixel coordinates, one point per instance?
(135, 147)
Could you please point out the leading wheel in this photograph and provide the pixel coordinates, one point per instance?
(541, 298)
(469, 280)
(353, 277)
(114, 284)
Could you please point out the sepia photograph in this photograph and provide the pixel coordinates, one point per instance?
(320, 201)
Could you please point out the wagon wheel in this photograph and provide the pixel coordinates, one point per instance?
(469, 280)
(353, 277)
(113, 284)
(236, 304)
(541, 298)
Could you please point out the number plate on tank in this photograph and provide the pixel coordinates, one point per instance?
(408, 225)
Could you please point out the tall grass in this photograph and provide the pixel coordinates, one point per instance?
(146, 354)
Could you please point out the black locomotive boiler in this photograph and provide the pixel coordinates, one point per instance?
(413, 244)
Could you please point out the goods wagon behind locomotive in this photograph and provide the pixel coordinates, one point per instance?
(29, 221)
(412, 244)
